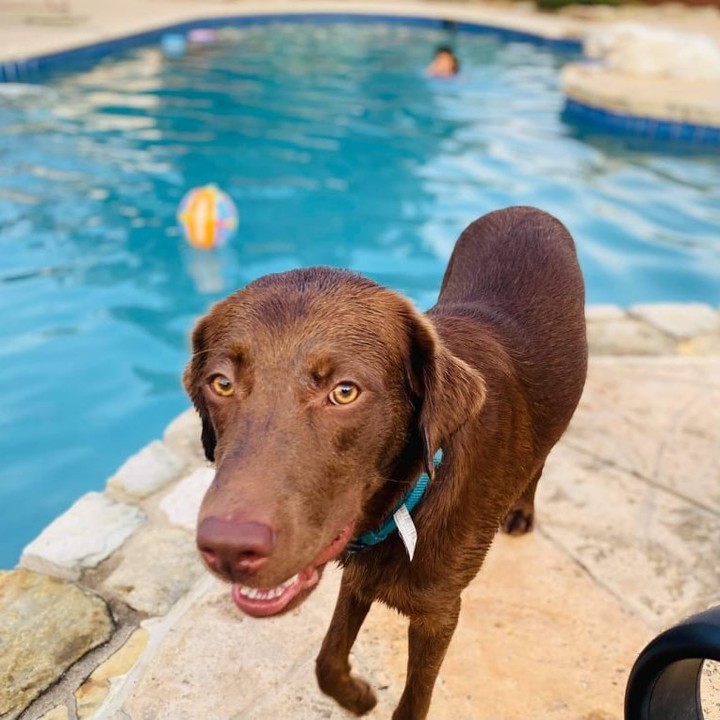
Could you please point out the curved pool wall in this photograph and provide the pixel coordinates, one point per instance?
(31, 68)
(575, 111)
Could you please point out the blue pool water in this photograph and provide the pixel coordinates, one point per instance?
(337, 150)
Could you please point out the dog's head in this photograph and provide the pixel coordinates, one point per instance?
(321, 396)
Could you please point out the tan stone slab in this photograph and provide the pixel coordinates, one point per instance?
(93, 528)
(627, 336)
(57, 713)
(655, 551)
(710, 690)
(93, 692)
(701, 345)
(681, 320)
(537, 638)
(158, 565)
(182, 436)
(540, 639)
(604, 313)
(181, 504)
(658, 418)
(663, 98)
(146, 472)
(46, 624)
(214, 662)
(674, 15)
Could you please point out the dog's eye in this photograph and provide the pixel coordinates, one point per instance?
(222, 386)
(344, 394)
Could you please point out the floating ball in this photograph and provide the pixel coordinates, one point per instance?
(202, 36)
(173, 45)
(208, 217)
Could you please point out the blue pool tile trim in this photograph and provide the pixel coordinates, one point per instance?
(638, 126)
(26, 69)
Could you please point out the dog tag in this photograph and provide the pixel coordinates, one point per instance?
(406, 528)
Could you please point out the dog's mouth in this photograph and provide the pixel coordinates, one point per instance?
(261, 602)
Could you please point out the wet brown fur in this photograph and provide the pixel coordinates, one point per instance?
(492, 375)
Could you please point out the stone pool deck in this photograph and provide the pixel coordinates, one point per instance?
(30, 28)
(110, 614)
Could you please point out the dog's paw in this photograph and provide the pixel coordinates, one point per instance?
(363, 698)
(353, 693)
(518, 522)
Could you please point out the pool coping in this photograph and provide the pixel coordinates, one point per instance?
(587, 103)
(667, 109)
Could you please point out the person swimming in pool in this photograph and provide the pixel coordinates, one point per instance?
(444, 64)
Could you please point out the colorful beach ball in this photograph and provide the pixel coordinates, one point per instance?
(208, 217)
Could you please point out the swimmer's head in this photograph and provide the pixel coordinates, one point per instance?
(444, 63)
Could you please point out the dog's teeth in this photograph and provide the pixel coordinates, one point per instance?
(255, 594)
(289, 582)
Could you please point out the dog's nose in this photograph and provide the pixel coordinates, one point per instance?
(229, 547)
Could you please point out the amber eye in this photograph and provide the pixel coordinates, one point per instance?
(222, 386)
(344, 394)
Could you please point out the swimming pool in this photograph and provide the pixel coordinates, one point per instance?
(337, 150)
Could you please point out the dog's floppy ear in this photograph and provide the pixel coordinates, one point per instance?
(449, 390)
(193, 381)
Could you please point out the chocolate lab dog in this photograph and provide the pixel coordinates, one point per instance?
(345, 424)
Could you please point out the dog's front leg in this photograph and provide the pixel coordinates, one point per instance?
(332, 666)
(428, 638)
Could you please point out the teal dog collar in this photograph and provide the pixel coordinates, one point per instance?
(409, 500)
